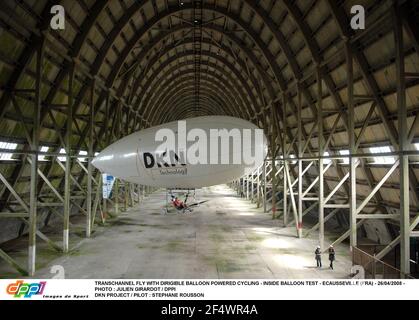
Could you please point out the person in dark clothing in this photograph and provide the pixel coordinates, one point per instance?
(318, 254)
(332, 255)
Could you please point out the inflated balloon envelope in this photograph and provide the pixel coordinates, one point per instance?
(192, 153)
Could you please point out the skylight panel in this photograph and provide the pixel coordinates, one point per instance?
(82, 153)
(5, 156)
(344, 153)
(382, 159)
(326, 161)
(42, 157)
(62, 159)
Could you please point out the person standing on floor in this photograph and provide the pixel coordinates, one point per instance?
(332, 255)
(318, 254)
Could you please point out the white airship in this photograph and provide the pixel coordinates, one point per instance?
(194, 153)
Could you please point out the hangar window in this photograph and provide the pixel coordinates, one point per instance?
(82, 153)
(5, 156)
(344, 153)
(62, 159)
(417, 146)
(326, 161)
(382, 159)
(42, 157)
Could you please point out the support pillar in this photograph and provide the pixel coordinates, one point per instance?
(126, 187)
(252, 188)
(300, 167)
(273, 174)
(403, 144)
(67, 182)
(33, 210)
(258, 188)
(247, 186)
(321, 154)
(284, 155)
(264, 186)
(89, 164)
(352, 148)
(116, 200)
(105, 207)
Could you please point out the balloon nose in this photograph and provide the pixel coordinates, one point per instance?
(103, 160)
(96, 162)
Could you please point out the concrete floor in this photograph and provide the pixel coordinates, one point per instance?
(226, 237)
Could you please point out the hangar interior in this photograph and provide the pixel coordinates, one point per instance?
(339, 106)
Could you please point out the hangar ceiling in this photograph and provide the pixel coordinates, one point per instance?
(142, 63)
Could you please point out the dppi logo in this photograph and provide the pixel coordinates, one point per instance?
(27, 290)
